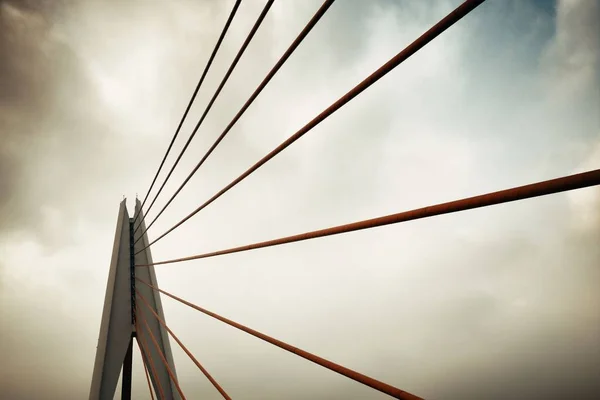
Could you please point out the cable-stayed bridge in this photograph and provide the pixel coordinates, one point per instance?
(133, 310)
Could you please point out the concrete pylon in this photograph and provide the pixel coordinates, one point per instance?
(118, 327)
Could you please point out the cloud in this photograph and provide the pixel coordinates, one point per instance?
(49, 121)
(482, 304)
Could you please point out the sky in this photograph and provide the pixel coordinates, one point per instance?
(490, 303)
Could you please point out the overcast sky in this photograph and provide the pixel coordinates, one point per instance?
(496, 303)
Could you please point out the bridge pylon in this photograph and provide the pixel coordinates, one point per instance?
(121, 323)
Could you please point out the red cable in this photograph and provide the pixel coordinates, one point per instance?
(432, 33)
(570, 182)
(144, 347)
(313, 21)
(187, 110)
(365, 380)
(160, 353)
(204, 371)
(146, 370)
(257, 24)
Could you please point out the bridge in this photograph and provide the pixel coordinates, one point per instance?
(133, 313)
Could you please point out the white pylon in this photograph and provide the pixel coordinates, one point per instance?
(117, 328)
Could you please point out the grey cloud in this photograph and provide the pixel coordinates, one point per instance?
(48, 119)
(500, 302)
